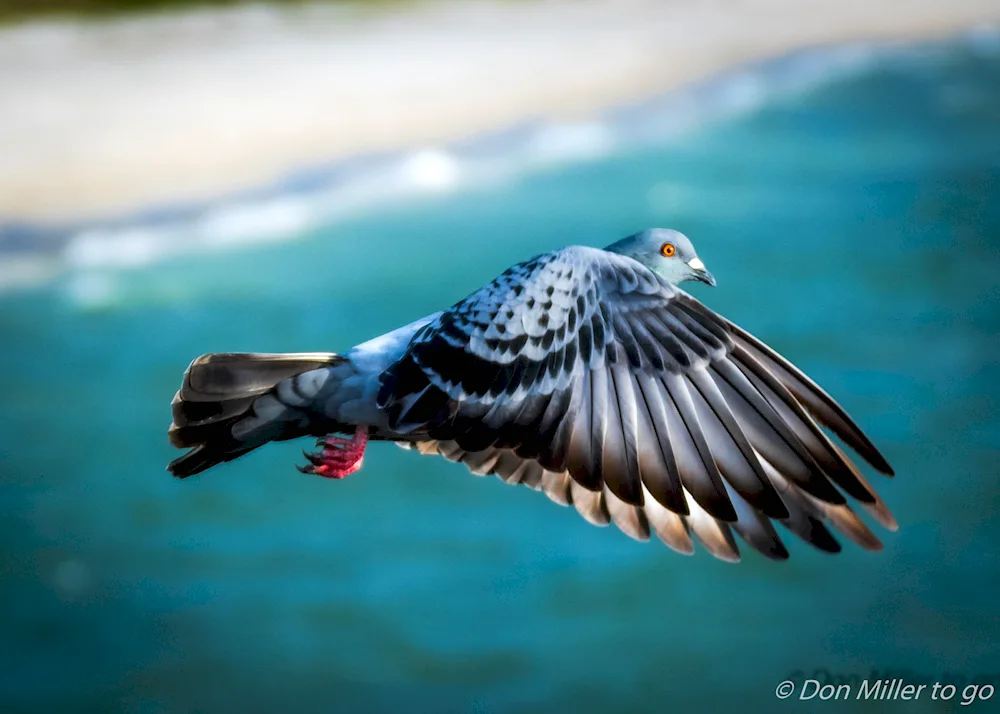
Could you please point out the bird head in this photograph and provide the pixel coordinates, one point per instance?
(666, 252)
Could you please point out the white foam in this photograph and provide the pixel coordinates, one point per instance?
(432, 169)
(568, 142)
(237, 224)
(93, 253)
(132, 247)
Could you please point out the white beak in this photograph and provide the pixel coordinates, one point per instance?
(696, 264)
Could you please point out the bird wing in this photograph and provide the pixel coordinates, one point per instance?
(588, 363)
(808, 516)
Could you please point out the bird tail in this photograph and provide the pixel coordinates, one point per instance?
(231, 403)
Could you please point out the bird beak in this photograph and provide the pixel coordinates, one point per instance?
(701, 272)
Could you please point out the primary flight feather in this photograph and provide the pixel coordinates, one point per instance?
(585, 373)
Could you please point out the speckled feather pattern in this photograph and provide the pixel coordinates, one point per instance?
(584, 374)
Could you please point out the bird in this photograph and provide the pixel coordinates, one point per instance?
(584, 373)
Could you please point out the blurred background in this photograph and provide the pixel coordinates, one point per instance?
(304, 176)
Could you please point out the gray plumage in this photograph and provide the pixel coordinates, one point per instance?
(586, 374)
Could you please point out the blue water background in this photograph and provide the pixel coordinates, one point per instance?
(854, 224)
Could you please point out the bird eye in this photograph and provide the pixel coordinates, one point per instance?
(667, 250)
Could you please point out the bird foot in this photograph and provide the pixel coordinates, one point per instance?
(337, 457)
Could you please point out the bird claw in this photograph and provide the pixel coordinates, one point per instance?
(314, 458)
(337, 457)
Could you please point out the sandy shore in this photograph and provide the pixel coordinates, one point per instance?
(101, 118)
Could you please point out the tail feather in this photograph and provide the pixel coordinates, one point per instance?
(192, 419)
(229, 404)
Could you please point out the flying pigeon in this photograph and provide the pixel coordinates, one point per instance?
(583, 373)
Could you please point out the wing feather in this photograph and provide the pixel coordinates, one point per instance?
(700, 474)
(814, 397)
(818, 445)
(807, 519)
(619, 461)
(668, 526)
(735, 456)
(590, 505)
(657, 468)
(630, 519)
(713, 534)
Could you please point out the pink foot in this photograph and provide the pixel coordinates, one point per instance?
(338, 457)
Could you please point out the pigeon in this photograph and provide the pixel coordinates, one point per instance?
(586, 374)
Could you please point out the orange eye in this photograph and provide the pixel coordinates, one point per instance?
(667, 250)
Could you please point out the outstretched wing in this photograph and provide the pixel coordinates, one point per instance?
(588, 363)
(808, 517)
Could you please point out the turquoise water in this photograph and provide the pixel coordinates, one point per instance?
(854, 225)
